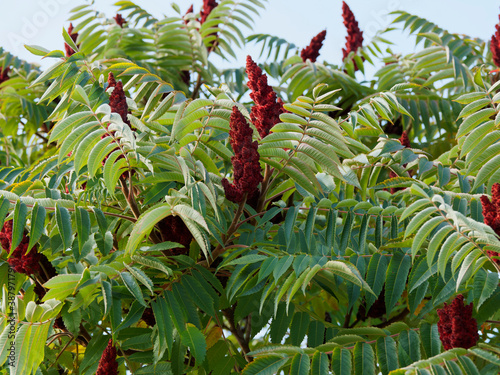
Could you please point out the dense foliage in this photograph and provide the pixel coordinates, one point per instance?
(160, 215)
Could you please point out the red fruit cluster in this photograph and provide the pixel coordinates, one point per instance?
(457, 328)
(495, 45)
(117, 99)
(190, 10)
(311, 52)
(173, 229)
(120, 21)
(246, 166)
(19, 260)
(4, 74)
(208, 6)
(111, 80)
(354, 38)
(491, 214)
(405, 141)
(267, 109)
(107, 363)
(74, 36)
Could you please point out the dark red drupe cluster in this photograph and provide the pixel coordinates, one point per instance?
(118, 104)
(120, 21)
(190, 10)
(117, 99)
(311, 52)
(107, 363)
(111, 80)
(4, 74)
(267, 109)
(495, 45)
(19, 260)
(491, 214)
(405, 140)
(173, 229)
(354, 38)
(208, 6)
(457, 328)
(74, 36)
(246, 166)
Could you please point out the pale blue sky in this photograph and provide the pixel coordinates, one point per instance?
(40, 22)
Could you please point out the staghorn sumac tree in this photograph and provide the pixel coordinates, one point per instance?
(160, 215)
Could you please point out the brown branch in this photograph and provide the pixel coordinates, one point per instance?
(130, 198)
(220, 249)
(396, 318)
(197, 87)
(237, 332)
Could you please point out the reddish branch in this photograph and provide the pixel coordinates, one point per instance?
(405, 141)
(21, 262)
(173, 229)
(4, 74)
(267, 109)
(107, 363)
(117, 99)
(120, 21)
(31, 263)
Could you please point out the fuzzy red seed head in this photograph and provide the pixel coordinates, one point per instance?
(267, 109)
(4, 74)
(21, 262)
(354, 38)
(491, 215)
(246, 166)
(495, 45)
(70, 51)
(457, 328)
(118, 102)
(311, 52)
(120, 21)
(208, 6)
(107, 363)
(405, 141)
(173, 229)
